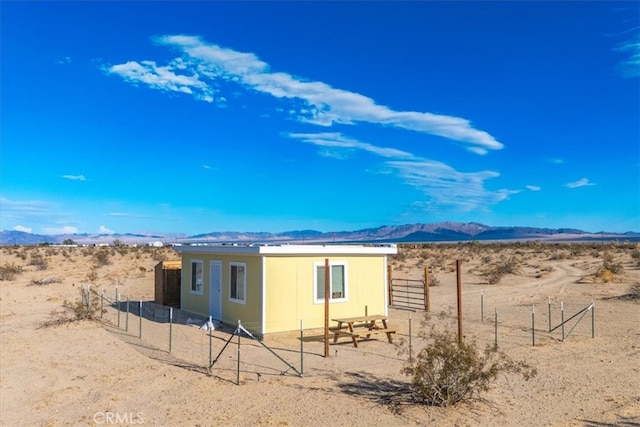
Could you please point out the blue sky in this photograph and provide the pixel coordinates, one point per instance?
(211, 116)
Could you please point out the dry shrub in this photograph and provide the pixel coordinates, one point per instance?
(38, 260)
(446, 372)
(86, 308)
(45, 281)
(495, 273)
(9, 271)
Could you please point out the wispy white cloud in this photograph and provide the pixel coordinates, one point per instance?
(105, 230)
(555, 160)
(533, 187)
(60, 230)
(163, 78)
(447, 187)
(123, 214)
(314, 102)
(22, 228)
(338, 140)
(16, 209)
(444, 186)
(630, 67)
(75, 177)
(579, 183)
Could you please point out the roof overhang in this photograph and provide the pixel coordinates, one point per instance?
(291, 249)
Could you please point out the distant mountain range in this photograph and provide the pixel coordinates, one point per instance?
(435, 232)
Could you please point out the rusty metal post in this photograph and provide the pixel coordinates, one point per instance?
(327, 283)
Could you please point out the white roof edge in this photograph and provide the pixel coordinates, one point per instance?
(293, 249)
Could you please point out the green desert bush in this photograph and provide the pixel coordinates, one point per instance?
(447, 372)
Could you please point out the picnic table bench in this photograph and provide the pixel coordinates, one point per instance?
(361, 327)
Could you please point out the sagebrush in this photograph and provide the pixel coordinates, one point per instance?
(446, 372)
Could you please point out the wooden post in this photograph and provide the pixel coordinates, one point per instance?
(459, 292)
(389, 284)
(327, 283)
(427, 299)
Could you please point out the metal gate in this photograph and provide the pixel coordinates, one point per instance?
(409, 294)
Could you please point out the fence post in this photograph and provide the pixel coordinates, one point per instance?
(533, 324)
(301, 349)
(481, 306)
(495, 345)
(238, 368)
(126, 316)
(410, 346)
(549, 314)
(427, 297)
(140, 329)
(459, 293)
(562, 318)
(593, 319)
(170, 327)
(390, 284)
(101, 302)
(210, 345)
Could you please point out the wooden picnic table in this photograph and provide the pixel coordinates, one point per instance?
(362, 326)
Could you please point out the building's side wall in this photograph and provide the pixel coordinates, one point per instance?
(290, 290)
(249, 313)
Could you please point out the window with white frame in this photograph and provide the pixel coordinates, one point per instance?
(238, 282)
(337, 282)
(197, 276)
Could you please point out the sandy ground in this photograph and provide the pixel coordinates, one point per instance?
(99, 373)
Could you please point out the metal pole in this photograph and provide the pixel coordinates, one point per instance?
(562, 317)
(549, 314)
(481, 306)
(459, 292)
(126, 316)
(301, 349)
(238, 368)
(211, 347)
(495, 345)
(118, 306)
(140, 329)
(390, 283)
(366, 310)
(327, 283)
(427, 297)
(410, 346)
(533, 324)
(593, 319)
(171, 327)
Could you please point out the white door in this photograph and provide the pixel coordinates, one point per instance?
(215, 289)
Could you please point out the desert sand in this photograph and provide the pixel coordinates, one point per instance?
(99, 373)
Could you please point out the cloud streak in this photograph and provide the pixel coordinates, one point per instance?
(74, 177)
(321, 104)
(631, 66)
(444, 186)
(584, 182)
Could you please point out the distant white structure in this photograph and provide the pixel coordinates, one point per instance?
(156, 244)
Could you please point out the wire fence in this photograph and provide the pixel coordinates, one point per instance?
(236, 353)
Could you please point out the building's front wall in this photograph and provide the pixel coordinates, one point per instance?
(290, 287)
(249, 313)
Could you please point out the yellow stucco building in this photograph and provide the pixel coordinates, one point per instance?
(273, 288)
